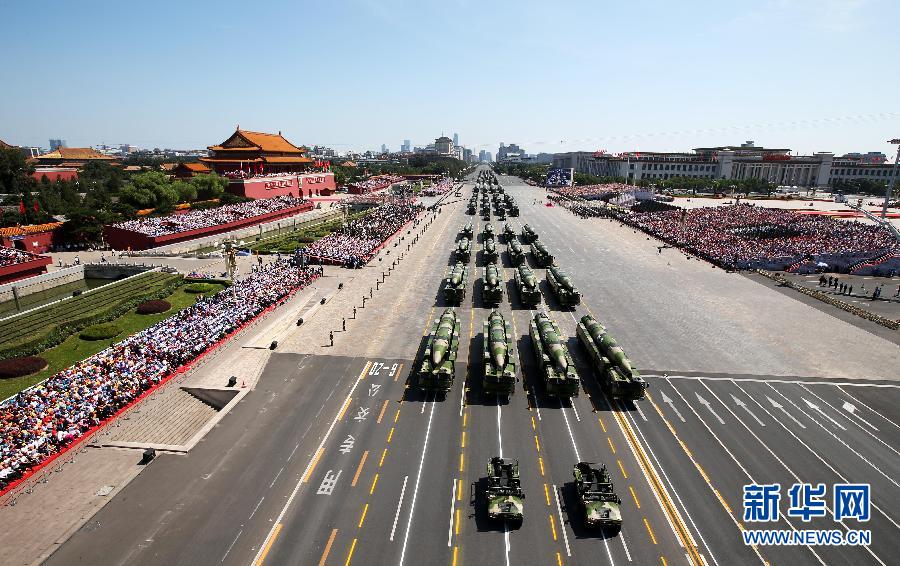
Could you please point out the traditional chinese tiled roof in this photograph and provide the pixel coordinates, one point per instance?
(75, 153)
(244, 140)
(30, 229)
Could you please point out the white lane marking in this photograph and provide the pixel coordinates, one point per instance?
(847, 446)
(412, 507)
(773, 380)
(640, 412)
(775, 404)
(819, 410)
(738, 462)
(849, 409)
(860, 403)
(292, 452)
(506, 541)
(571, 436)
(499, 432)
(255, 509)
(814, 453)
(312, 459)
(462, 399)
(399, 505)
(230, 546)
(671, 404)
(276, 477)
(740, 403)
(452, 510)
(625, 546)
(703, 401)
(562, 525)
(575, 410)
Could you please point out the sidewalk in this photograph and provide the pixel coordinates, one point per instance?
(888, 305)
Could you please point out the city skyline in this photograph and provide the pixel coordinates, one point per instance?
(686, 78)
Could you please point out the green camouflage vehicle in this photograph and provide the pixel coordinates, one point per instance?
(597, 497)
(463, 250)
(471, 208)
(562, 286)
(516, 253)
(505, 498)
(528, 234)
(488, 233)
(509, 235)
(492, 289)
(617, 377)
(491, 255)
(556, 364)
(455, 284)
(467, 231)
(438, 365)
(541, 256)
(527, 284)
(499, 367)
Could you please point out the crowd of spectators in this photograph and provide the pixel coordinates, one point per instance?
(441, 187)
(240, 174)
(197, 219)
(43, 420)
(376, 183)
(559, 177)
(354, 245)
(594, 192)
(12, 256)
(744, 236)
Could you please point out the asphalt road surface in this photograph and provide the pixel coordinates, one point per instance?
(336, 459)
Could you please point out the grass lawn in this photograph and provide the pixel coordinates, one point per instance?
(74, 349)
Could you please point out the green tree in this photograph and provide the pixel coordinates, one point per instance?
(187, 192)
(209, 186)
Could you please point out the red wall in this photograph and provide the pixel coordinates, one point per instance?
(55, 174)
(295, 185)
(120, 239)
(23, 270)
(43, 239)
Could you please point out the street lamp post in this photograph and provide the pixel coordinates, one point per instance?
(890, 188)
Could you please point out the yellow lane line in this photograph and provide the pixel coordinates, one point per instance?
(397, 416)
(541, 462)
(611, 445)
(455, 554)
(374, 483)
(537, 444)
(350, 554)
(314, 463)
(634, 495)
(399, 370)
(456, 527)
(459, 490)
(390, 435)
(553, 526)
(662, 560)
(462, 441)
(328, 547)
(621, 467)
(462, 461)
(269, 543)
(383, 454)
(533, 425)
(602, 424)
(547, 494)
(344, 408)
(649, 530)
(359, 468)
(362, 517)
(558, 559)
(381, 414)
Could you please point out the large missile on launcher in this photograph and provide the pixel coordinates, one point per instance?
(492, 289)
(556, 365)
(541, 255)
(490, 252)
(463, 250)
(508, 233)
(616, 375)
(467, 231)
(527, 284)
(455, 284)
(513, 209)
(528, 234)
(438, 364)
(562, 286)
(516, 253)
(499, 366)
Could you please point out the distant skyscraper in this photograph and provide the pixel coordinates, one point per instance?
(384, 148)
(406, 147)
(56, 144)
(456, 139)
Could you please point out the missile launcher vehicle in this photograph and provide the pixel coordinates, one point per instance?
(508, 233)
(566, 293)
(513, 209)
(556, 364)
(528, 234)
(467, 231)
(499, 366)
(516, 253)
(455, 284)
(438, 364)
(488, 233)
(597, 497)
(612, 366)
(489, 252)
(541, 256)
(463, 250)
(492, 290)
(527, 284)
(505, 498)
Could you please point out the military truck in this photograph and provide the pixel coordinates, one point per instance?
(611, 365)
(562, 286)
(467, 231)
(597, 498)
(499, 366)
(488, 233)
(492, 289)
(541, 255)
(527, 285)
(471, 208)
(528, 234)
(516, 253)
(509, 235)
(455, 284)
(463, 250)
(438, 364)
(490, 253)
(504, 495)
(556, 365)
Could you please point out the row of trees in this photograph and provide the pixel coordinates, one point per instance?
(415, 165)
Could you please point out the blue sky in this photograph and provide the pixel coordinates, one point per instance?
(812, 75)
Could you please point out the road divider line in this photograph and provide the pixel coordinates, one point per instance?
(362, 462)
(383, 454)
(390, 435)
(412, 507)
(452, 509)
(622, 468)
(381, 414)
(399, 371)
(270, 540)
(611, 445)
(650, 531)
(399, 505)
(541, 463)
(562, 525)
(344, 408)
(634, 495)
(327, 550)
(547, 494)
(362, 517)
(350, 554)
(315, 461)
(462, 461)
(552, 526)
(397, 416)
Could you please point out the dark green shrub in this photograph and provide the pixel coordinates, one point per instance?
(100, 331)
(153, 307)
(198, 288)
(19, 367)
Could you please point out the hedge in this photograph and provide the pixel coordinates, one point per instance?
(58, 334)
(22, 366)
(101, 331)
(153, 307)
(198, 288)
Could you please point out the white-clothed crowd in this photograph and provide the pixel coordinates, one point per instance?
(377, 183)
(439, 188)
(12, 256)
(197, 219)
(41, 421)
(592, 192)
(355, 243)
(559, 177)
